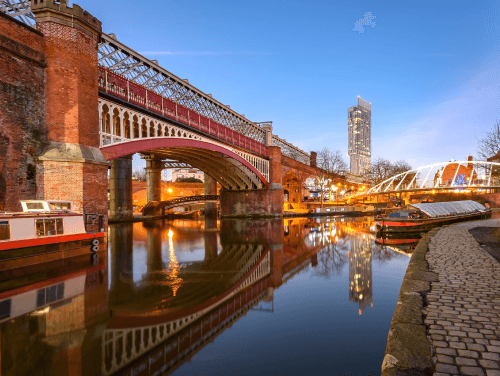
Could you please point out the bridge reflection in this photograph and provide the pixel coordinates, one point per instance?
(155, 323)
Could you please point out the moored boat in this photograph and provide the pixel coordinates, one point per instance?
(425, 216)
(45, 231)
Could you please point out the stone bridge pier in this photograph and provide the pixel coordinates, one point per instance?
(257, 202)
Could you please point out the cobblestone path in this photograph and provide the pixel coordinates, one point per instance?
(463, 311)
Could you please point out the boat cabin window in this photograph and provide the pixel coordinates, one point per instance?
(48, 227)
(4, 230)
(34, 206)
(60, 205)
(49, 295)
(5, 308)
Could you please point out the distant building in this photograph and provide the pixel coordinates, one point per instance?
(360, 272)
(183, 173)
(449, 174)
(360, 126)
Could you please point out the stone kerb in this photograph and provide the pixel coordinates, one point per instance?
(408, 350)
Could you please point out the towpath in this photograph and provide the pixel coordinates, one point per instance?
(463, 307)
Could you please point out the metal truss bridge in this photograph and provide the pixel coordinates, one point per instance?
(144, 86)
(451, 176)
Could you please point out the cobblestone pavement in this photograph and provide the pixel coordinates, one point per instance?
(463, 311)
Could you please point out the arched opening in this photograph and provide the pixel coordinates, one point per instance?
(144, 128)
(229, 169)
(126, 124)
(292, 185)
(106, 126)
(152, 129)
(116, 123)
(136, 127)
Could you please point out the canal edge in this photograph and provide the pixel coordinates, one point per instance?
(409, 351)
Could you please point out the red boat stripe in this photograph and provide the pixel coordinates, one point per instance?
(12, 244)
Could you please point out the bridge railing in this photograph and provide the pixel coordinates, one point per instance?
(291, 151)
(123, 88)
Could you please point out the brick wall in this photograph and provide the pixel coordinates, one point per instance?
(22, 105)
(83, 183)
(72, 96)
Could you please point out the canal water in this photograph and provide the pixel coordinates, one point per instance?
(302, 296)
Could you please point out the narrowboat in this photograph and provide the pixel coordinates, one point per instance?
(425, 216)
(46, 231)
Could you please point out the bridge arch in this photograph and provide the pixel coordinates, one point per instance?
(228, 168)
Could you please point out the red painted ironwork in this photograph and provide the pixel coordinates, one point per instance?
(123, 88)
(137, 94)
(154, 102)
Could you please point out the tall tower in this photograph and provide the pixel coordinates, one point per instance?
(360, 145)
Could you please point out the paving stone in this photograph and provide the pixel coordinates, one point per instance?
(448, 359)
(472, 371)
(492, 372)
(455, 345)
(495, 349)
(448, 368)
(489, 364)
(468, 354)
(466, 361)
(446, 351)
(475, 346)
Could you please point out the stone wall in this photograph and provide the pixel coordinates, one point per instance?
(22, 106)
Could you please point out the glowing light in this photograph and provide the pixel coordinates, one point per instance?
(173, 267)
(169, 190)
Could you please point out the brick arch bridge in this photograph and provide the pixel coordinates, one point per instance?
(56, 141)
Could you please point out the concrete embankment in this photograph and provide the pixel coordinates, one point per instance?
(408, 349)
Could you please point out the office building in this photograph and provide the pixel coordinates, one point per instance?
(360, 148)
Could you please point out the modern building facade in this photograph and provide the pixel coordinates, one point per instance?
(360, 126)
(183, 173)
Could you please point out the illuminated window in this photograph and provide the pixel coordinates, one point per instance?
(4, 230)
(49, 227)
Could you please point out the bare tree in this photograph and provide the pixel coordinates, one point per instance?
(139, 174)
(331, 165)
(382, 169)
(489, 146)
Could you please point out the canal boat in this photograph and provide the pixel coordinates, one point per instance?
(351, 211)
(425, 216)
(45, 231)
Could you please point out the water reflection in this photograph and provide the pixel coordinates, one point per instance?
(173, 287)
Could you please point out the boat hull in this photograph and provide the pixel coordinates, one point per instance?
(394, 225)
(22, 253)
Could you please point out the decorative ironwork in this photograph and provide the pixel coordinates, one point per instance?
(124, 61)
(291, 151)
(175, 164)
(455, 176)
(121, 59)
(19, 9)
(119, 124)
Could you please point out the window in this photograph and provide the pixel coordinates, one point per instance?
(5, 307)
(34, 206)
(49, 227)
(59, 226)
(60, 206)
(4, 230)
(49, 295)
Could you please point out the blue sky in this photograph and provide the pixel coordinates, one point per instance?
(430, 70)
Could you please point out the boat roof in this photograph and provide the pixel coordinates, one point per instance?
(440, 209)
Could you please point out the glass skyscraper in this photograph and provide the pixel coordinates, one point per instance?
(360, 144)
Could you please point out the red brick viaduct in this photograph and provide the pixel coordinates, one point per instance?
(49, 134)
